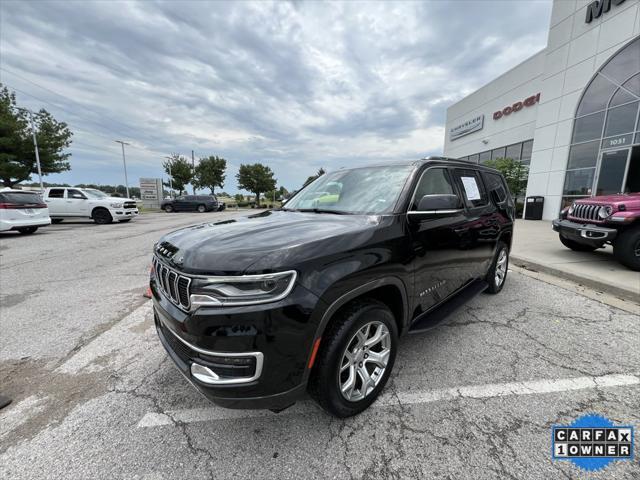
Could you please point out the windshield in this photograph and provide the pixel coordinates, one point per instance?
(95, 193)
(372, 190)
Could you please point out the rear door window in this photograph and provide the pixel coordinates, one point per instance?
(472, 187)
(56, 193)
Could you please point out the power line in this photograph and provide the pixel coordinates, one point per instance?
(86, 119)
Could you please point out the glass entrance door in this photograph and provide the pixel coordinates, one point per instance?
(611, 172)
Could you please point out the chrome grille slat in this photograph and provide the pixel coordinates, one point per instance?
(172, 284)
(586, 211)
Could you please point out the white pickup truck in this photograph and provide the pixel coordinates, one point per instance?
(67, 203)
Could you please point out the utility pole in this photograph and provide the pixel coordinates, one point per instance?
(35, 145)
(124, 161)
(193, 171)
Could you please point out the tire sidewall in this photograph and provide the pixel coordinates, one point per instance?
(491, 276)
(335, 351)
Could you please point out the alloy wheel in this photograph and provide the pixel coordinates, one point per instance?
(501, 267)
(364, 361)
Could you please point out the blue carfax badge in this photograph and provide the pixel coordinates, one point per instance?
(592, 442)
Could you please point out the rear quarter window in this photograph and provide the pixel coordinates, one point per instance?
(495, 183)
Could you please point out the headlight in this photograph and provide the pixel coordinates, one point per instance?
(116, 205)
(241, 290)
(604, 212)
(571, 208)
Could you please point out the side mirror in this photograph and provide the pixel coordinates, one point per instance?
(431, 206)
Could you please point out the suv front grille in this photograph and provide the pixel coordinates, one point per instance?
(129, 204)
(173, 285)
(585, 211)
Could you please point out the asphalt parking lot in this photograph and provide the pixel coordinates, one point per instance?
(95, 395)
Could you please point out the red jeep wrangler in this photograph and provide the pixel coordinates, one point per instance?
(590, 223)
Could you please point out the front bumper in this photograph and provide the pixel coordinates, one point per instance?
(120, 214)
(242, 357)
(585, 233)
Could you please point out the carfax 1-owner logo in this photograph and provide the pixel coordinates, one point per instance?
(592, 442)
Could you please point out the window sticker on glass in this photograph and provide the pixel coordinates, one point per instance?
(471, 188)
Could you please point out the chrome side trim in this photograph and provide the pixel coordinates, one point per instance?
(435, 212)
(205, 375)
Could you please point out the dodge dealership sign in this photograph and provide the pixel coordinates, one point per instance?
(516, 107)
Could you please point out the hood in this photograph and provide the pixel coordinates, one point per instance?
(268, 241)
(630, 200)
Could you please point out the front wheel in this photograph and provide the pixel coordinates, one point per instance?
(27, 230)
(355, 359)
(102, 216)
(497, 274)
(576, 246)
(626, 248)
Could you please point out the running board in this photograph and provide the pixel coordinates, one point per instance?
(432, 318)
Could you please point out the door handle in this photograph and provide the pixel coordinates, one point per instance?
(461, 230)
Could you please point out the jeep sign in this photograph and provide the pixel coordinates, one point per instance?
(516, 107)
(467, 127)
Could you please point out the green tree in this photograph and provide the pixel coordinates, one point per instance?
(181, 172)
(239, 197)
(210, 173)
(256, 178)
(313, 177)
(17, 152)
(515, 173)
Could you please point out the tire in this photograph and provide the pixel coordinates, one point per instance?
(342, 333)
(626, 248)
(57, 220)
(201, 209)
(27, 230)
(102, 216)
(497, 274)
(575, 246)
(168, 208)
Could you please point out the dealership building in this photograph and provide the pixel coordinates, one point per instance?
(569, 112)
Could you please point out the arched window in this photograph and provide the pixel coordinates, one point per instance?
(606, 125)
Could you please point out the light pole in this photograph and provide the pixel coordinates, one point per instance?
(170, 179)
(35, 145)
(124, 161)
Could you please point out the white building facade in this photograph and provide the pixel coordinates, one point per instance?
(571, 112)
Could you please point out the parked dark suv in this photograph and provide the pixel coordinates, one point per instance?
(258, 311)
(192, 203)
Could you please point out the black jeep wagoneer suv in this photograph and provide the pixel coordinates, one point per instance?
(256, 312)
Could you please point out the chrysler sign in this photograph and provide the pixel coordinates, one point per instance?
(467, 127)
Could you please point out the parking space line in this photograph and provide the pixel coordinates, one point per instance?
(531, 387)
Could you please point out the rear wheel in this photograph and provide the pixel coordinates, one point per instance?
(27, 230)
(102, 216)
(168, 208)
(626, 248)
(575, 246)
(497, 274)
(56, 220)
(355, 359)
(201, 209)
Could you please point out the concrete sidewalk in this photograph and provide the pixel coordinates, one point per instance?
(537, 247)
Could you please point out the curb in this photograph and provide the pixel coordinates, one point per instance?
(622, 293)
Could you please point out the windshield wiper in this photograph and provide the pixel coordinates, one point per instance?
(322, 210)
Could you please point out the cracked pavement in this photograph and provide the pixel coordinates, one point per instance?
(80, 357)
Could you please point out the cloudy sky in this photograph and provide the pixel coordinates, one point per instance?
(295, 85)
